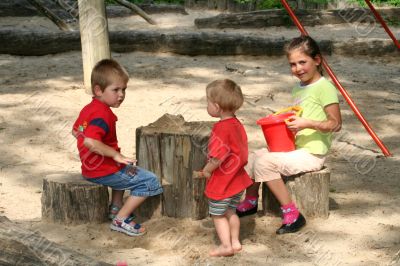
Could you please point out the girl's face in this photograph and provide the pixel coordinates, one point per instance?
(304, 67)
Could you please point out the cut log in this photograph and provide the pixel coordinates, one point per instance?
(268, 18)
(69, 198)
(19, 246)
(310, 191)
(173, 149)
(22, 42)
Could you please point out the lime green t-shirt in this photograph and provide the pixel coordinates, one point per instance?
(313, 98)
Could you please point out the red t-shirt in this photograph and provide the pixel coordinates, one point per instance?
(228, 142)
(97, 121)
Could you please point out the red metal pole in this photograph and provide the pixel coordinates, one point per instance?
(340, 87)
(380, 19)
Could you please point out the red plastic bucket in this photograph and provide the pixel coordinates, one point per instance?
(277, 134)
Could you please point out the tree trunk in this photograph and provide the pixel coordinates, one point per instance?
(173, 149)
(19, 246)
(71, 199)
(94, 36)
(310, 191)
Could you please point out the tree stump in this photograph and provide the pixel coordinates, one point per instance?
(173, 149)
(69, 198)
(309, 190)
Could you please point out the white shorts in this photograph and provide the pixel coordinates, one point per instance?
(266, 166)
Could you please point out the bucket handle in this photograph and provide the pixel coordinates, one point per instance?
(296, 109)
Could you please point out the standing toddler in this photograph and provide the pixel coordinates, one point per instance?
(227, 156)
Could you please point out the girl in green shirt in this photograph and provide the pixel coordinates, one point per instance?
(321, 116)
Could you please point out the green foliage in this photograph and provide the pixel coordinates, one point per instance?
(174, 2)
(377, 2)
(271, 4)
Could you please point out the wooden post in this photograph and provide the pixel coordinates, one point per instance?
(173, 149)
(310, 191)
(94, 36)
(69, 198)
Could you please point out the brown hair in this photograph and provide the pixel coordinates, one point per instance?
(105, 72)
(226, 93)
(307, 45)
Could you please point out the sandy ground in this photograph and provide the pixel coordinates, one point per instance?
(42, 96)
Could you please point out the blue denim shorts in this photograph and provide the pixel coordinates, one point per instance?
(141, 184)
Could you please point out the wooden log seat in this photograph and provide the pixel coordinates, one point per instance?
(309, 190)
(173, 149)
(68, 198)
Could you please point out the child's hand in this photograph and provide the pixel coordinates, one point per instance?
(132, 169)
(119, 158)
(201, 174)
(295, 123)
(198, 174)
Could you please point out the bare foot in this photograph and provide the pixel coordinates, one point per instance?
(236, 246)
(221, 251)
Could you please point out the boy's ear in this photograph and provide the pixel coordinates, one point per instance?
(97, 90)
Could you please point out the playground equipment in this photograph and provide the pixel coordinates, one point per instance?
(339, 86)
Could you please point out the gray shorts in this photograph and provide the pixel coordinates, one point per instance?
(219, 207)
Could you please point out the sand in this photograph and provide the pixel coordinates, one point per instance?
(42, 96)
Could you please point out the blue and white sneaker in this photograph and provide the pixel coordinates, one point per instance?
(125, 226)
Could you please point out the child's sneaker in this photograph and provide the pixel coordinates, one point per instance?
(124, 226)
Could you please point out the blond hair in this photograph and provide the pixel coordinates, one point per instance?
(105, 72)
(226, 93)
